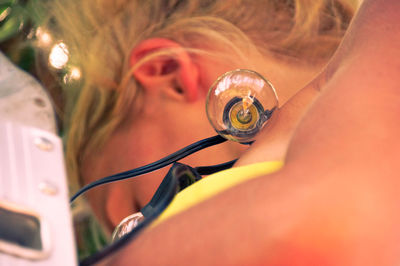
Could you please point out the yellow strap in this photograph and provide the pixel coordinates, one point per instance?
(216, 183)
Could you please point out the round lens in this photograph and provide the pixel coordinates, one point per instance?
(240, 103)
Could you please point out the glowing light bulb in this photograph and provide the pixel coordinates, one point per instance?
(240, 103)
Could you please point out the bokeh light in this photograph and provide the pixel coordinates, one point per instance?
(74, 74)
(59, 55)
(43, 37)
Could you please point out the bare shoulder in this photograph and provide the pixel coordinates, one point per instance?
(336, 200)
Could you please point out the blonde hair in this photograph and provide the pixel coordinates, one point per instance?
(100, 35)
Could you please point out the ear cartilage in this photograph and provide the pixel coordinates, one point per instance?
(239, 104)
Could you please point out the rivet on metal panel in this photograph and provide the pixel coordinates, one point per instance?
(48, 189)
(43, 144)
(39, 102)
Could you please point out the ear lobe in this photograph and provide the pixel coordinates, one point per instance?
(175, 67)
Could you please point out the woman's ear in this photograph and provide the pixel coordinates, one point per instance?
(173, 67)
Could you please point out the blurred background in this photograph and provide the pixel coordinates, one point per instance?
(34, 50)
(29, 46)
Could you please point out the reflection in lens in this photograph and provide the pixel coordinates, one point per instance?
(127, 225)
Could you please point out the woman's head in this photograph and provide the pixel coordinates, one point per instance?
(147, 65)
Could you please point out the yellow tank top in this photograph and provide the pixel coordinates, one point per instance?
(216, 183)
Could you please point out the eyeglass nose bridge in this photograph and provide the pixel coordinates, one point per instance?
(179, 177)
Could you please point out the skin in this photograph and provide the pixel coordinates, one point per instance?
(162, 128)
(336, 200)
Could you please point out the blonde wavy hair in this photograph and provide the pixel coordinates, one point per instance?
(100, 35)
